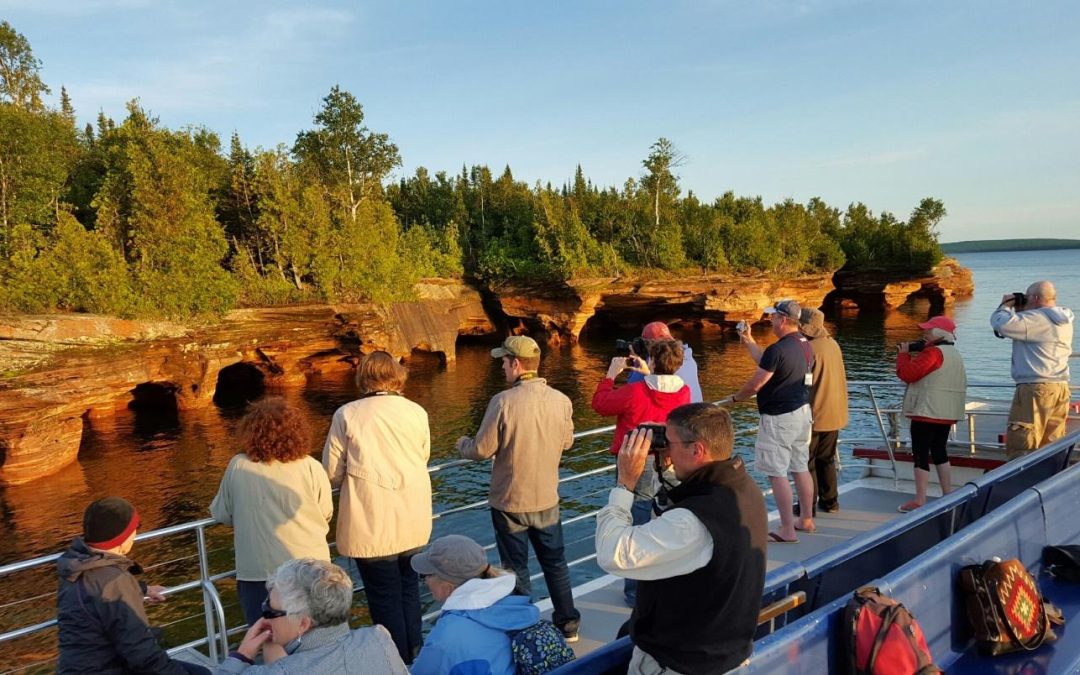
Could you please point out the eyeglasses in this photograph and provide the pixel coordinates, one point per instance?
(269, 612)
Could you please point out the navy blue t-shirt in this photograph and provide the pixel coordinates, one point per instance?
(789, 359)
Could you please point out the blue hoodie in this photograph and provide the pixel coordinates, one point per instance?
(470, 636)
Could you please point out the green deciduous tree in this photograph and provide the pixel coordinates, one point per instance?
(20, 82)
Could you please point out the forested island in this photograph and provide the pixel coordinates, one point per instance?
(987, 245)
(132, 218)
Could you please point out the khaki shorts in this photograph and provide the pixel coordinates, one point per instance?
(783, 443)
(1037, 416)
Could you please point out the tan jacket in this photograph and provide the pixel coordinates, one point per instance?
(377, 452)
(278, 511)
(526, 428)
(828, 393)
(941, 394)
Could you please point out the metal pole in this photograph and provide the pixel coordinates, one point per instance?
(884, 435)
(208, 612)
(971, 431)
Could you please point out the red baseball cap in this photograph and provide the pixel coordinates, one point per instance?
(657, 330)
(943, 322)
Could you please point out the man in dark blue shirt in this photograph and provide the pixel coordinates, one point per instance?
(781, 382)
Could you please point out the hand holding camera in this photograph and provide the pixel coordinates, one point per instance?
(1014, 300)
(634, 452)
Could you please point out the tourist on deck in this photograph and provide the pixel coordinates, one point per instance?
(1042, 336)
(701, 563)
(99, 602)
(933, 401)
(276, 497)
(648, 400)
(526, 428)
(377, 452)
(479, 607)
(304, 628)
(781, 382)
(687, 372)
(828, 408)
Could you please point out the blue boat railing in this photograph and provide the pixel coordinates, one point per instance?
(218, 633)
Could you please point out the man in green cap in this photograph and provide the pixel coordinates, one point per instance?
(526, 428)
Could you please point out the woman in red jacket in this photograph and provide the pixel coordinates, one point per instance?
(648, 400)
(933, 401)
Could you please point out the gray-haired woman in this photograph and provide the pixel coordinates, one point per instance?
(305, 628)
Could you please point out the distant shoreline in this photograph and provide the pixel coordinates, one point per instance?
(990, 245)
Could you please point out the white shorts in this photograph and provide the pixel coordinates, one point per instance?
(783, 443)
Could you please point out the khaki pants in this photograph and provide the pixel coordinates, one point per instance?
(1037, 416)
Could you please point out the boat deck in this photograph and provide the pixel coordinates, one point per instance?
(865, 504)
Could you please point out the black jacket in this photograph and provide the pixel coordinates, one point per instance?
(103, 627)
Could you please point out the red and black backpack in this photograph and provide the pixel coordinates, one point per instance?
(883, 637)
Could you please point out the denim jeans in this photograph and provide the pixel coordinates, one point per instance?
(192, 668)
(393, 594)
(252, 594)
(513, 532)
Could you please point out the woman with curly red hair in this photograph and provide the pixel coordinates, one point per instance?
(277, 498)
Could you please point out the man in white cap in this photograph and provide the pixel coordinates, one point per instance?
(781, 382)
(526, 428)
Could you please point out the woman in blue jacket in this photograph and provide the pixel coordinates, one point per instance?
(478, 609)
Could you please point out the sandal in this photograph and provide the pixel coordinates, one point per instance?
(777, 539)
(908, 507)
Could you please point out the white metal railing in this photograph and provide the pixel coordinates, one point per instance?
(217, 632)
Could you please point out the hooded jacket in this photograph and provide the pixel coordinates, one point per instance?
(103, 627)
(470, 637)
(647, 401)
(1042, 342)
(688, 372)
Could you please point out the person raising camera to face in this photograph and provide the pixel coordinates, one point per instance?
(1042, 335)
(934, 400)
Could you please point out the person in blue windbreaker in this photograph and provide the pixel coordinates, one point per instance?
(479, 607)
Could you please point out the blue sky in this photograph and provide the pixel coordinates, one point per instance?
(976, 103)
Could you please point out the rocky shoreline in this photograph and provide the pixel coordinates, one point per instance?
(57, 372)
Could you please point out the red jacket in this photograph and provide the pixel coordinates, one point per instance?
(634, 404)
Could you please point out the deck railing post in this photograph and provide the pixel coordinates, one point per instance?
(971, 431)
(884, 434)
(208, 610)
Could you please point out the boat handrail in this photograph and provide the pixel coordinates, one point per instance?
(214, 610)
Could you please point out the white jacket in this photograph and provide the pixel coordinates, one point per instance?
(377, 451)
(1042, 342)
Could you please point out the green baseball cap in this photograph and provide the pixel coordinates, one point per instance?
(518, 346)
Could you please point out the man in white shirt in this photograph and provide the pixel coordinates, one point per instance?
(701, 564)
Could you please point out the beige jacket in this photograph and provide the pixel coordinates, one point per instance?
(377, 452)
(941, 394)
(278, 511)
(526, 428)
(828, 393)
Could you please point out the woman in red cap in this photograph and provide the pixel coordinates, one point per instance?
(934, 400)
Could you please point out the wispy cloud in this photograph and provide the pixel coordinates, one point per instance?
(224, 71)
(71, 8)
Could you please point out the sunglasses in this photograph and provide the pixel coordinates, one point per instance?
(269, 612)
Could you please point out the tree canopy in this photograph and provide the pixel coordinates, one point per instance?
(133, 218)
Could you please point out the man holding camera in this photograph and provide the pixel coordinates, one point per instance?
(701, 563)
(526, 428)
(1042, 336)
(781, 382)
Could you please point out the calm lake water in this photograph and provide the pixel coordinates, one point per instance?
(170, 466)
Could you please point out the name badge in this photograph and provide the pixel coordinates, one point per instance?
(808, 379)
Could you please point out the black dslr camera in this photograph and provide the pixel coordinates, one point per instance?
(632, 348)
(659, 436)
(1019, 300)
(916, 346)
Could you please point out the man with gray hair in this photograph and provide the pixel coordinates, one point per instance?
(1042, 336)
(305, 628)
